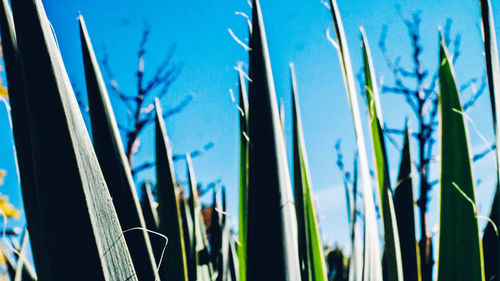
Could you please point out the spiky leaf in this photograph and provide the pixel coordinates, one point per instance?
(272, 252)
(403, 205)
(203, 265)
(243, 184)
(372, 264)
(20, 126)
(460, 250)
(61, 144)
(169, 213)
(392, 252)
(313, 266)
(113, 162)
(188, 230)
(216, 235)
(491, 240)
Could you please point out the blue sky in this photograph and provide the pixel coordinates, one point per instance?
(296, 33)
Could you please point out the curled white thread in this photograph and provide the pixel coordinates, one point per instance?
(232, 95)
(234, 102)
(476, 129)
(7, 107)
(246, 136)
(148, 108)
(331, 39)
(238, 40)
(220, 211)
(248, 19)
(149, 231)
(325, 3)
(240, 70)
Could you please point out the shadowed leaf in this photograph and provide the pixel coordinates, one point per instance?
(203, 265)
(113, 162)
(272, 252)
(21, 130)
(60, 144)
(168, 205)
(403, 205)
(491, 240)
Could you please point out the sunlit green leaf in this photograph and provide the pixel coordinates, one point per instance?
(372, 270)
(392, 253)
(243, 170)
(460, 250)
(312, 259)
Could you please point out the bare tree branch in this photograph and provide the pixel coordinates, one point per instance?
(176, 157)
(480, 155)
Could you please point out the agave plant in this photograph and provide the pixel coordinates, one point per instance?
(279, 234)
(58, 141)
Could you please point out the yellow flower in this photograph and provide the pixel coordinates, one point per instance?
(7, 208)
(3, 173)
(2, 261)
(3, 92)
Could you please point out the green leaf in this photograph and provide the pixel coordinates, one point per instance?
(491, 240)
(271, 245)
(188, 229)
(203, 265)
(392, 251)
(69, 185)
(312, 258)
(460, 251)
(243, 184)
(403, 205)
(113, 162)
(372, 270)
(169, 214)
